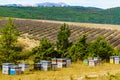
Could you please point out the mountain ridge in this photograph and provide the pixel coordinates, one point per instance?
(45, 4)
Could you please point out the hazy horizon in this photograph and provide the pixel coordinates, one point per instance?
(87, 3)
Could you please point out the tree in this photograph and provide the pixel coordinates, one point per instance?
(79, 50)
(81, 47)
(100, 48)
(63, 42)
(71, 53)
(44, 51)
(117, 52)
(8, 39)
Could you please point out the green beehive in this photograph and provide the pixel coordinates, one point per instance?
(85, 62)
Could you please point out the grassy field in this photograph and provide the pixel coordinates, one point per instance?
(75, 72)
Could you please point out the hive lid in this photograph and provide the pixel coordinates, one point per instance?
(45, 61)
(7, 63)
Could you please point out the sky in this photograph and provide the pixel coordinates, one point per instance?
(87, 3)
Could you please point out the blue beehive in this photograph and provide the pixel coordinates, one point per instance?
(15, 70)
(12, 71)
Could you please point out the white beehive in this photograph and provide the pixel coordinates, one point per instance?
(6, 68)
(92, 63)
(61, 62)
(45, 65)
(116, 59)
(24, 66)
(68, 62)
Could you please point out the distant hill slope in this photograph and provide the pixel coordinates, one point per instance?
(72, 14)
(49, 29)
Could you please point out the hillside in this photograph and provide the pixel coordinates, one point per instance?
(71, 14)
(37, 29)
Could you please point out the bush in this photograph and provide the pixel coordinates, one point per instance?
(78, 50)
(100, 48)
(44, 51)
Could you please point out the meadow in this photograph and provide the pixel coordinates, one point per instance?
(77, 71)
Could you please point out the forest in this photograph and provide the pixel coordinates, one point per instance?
(70, 14)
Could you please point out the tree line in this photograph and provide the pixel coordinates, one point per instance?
(10, 52)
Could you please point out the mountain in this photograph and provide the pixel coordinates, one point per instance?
(15, 5)
(46, 4)
(69, 13)
(49, 4)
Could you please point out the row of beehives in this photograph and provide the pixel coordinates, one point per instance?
(92, 61)
(97, 61)
(114, 59)
(11, 69)
(54, 64)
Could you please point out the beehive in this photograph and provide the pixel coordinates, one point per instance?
(6, 68)
(61, 62)
(15, 70)
(24, 66)
(45, 65)
(37, 66)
